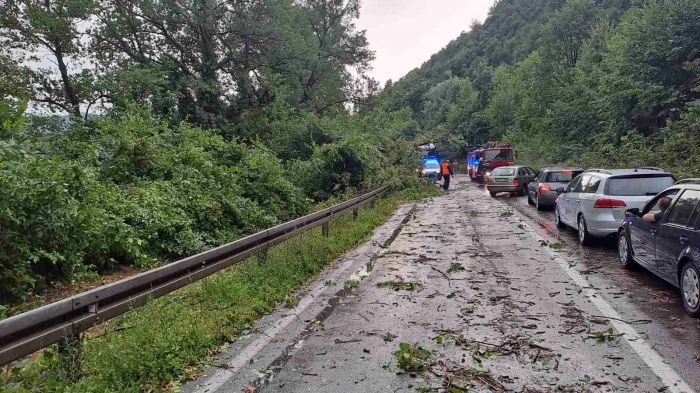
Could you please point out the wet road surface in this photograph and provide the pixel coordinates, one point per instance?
(500, 299)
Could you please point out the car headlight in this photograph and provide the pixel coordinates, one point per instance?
(488, 174)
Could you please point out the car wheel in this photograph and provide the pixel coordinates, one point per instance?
(557, 218)
(492, 193)
(583, 236)
(624, 250)
(538, 205)
(690, 288)
(523, 190)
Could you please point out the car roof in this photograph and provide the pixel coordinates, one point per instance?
(632, 171)
(689, 182)
(560, 168)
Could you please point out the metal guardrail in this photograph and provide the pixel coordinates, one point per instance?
(31, 331)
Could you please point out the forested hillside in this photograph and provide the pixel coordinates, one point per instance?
(587, 82)
(133, 133)
(158, 129)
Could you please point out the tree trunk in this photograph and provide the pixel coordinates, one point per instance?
(72, 97)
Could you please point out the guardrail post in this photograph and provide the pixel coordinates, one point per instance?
(262, 257)
(355, 213)
(70, 350)
(326, 229)
(371, 203)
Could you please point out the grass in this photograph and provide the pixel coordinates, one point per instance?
(158, 346)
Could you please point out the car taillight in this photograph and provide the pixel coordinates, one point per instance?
(545, 187)
(516, 182)
(609, 203)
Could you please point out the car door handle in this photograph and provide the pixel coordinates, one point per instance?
(683, 240)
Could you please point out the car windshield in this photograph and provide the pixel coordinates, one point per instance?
(431, 165)
(503, 171)
(561, 176)
(498, 154)
(638, 185)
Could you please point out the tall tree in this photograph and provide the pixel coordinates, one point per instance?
(31, 28)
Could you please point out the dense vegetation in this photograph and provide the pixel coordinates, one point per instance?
(158, 129)
(157, 347)
(589, 82)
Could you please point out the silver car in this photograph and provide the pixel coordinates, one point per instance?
(594, 203)
(512, 179)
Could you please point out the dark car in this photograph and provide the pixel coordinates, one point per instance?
(670, 246)
(542, 190)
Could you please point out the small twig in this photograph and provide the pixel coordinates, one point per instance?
(449, 280)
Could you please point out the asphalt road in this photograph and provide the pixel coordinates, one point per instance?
(500, 299)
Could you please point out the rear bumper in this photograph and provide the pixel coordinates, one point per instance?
(502, 188)
(602, 224)
(548, 198)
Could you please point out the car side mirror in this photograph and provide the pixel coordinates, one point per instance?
(561, 190)
(632, 212)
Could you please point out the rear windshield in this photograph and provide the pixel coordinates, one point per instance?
(503, 171)
(496, 154)
(638, 185)
(561, 176)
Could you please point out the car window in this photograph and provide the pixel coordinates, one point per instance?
(638, 185)
(578, 187)
(574, 184)
(684, 207)
(591, 187)
(561, 176)
(503, 171)
(653, 205)
(496, 154)
(431, 165)
(521, 171)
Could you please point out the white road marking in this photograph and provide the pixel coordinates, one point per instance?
(223, 375)
(665, 372)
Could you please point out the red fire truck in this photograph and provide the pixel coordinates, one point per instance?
(488, 158)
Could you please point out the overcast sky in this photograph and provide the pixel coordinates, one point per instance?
(405, 33)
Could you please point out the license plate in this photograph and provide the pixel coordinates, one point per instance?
(501, 180)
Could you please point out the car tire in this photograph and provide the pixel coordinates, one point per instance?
(624, 250)
(582, 230)
(538, 205)
(557, 219)
(523, 190)
(689, 284)
(492, 193)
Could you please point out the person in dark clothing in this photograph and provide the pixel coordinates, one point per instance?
(446, 172)
(656, 217)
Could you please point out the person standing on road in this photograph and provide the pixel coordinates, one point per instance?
(446, 171)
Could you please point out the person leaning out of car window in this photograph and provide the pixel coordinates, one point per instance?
(662, 204)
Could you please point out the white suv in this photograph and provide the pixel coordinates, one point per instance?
(594, 203)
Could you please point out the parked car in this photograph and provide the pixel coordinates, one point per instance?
(594, 203)
(513, 179)
(430, 168)
(669, 247)
(542, 190)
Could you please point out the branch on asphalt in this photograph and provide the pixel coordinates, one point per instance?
(449, 280)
